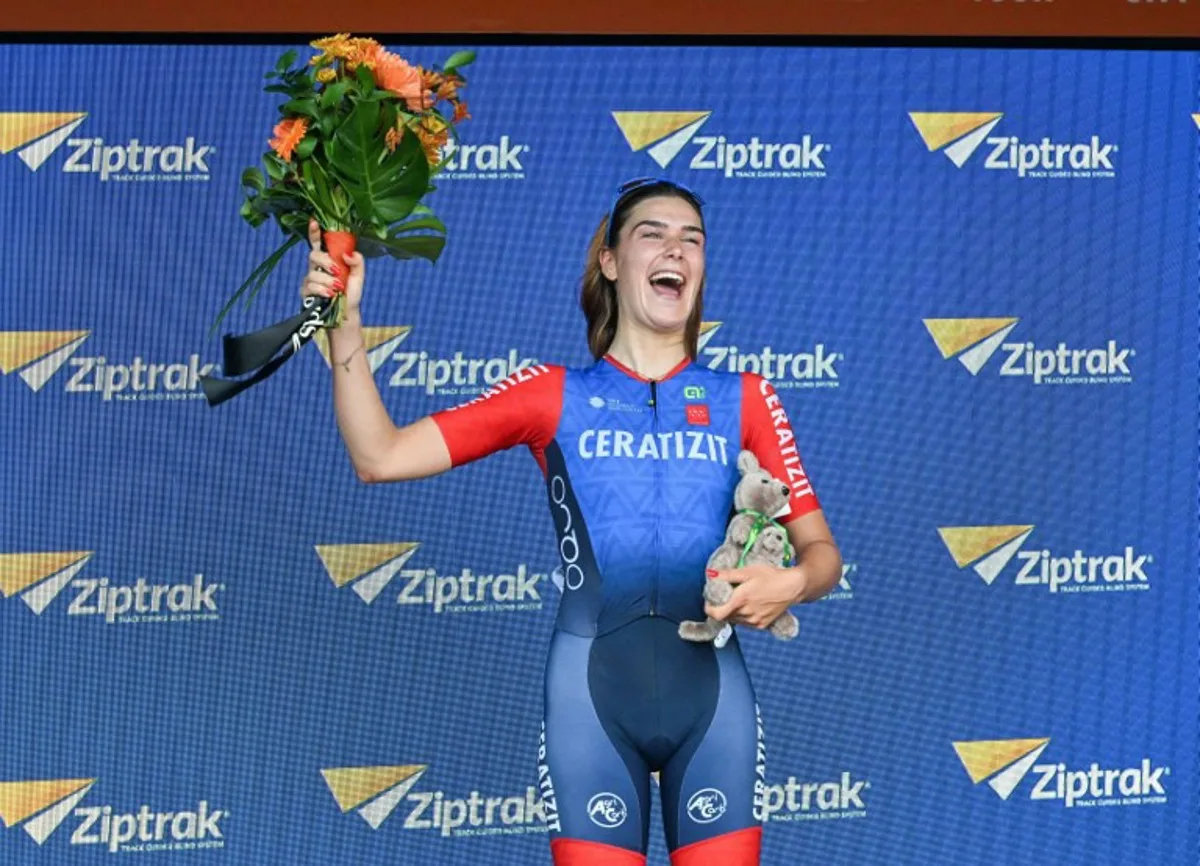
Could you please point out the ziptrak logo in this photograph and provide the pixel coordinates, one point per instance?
(36, 356)
(496, 160)
(665, 134)
(1004, 764)
(369, 568)
(458, 375)
(814, 368)
(375, 792)
(794, 799)
(959, 134)
(39, 807)
(989, 549)
(974, 341)
(38, 578)
(36, 135)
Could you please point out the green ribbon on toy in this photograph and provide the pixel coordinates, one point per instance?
(761, 522)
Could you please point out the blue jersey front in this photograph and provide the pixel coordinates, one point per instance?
(640, 475)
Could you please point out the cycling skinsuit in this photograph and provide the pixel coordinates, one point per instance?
(640, 475)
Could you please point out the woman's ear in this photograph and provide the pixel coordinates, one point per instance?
(608, 264)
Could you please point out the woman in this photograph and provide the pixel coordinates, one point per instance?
(639, 452)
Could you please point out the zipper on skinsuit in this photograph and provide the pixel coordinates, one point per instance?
(657, 504)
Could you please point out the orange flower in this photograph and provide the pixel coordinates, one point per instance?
(460, 112)
(338, 45)
(430, 79)
(363, 52)
(287, 135)
(448, 89)
(433, 135)
(326, 74)
(394, 74)
(392, 139)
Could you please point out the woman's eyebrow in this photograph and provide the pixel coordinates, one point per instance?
(662, 225)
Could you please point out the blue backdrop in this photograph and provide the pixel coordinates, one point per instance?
(971, 274)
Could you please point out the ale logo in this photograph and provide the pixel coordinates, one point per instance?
(39, 807)
(665, 133)
(36, 134)
(958, 135)
(987, 549)
(373, 791)
(39, 577)
(379, 342)
(972, 341)
(1002, 763)
(35, 356)
(844, 591)
(365, 568)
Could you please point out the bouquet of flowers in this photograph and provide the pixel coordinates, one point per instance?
(360, 137)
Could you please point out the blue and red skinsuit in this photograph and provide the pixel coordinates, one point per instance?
(640, 476)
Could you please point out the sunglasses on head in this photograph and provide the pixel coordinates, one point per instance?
(640, 183)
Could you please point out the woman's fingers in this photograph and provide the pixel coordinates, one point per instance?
(318, 260)
(314, 235)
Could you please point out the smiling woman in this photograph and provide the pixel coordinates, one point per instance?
(638, 451)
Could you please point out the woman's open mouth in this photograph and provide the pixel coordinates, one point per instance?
(668, 284)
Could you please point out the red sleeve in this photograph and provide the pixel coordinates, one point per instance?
(768, 434)
(520, 410)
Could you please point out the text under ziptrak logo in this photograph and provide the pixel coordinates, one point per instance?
(1005, 764)
(368, 569)
(989, 549)
(375, 792)
(39, 807)
(974, 341)
(457, 375)
(959, 135)
(494, 160)
(36, 135)
(666, 134)
(810, 367)
(36, 356)
(39, 578)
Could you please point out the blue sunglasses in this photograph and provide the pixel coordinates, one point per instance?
(640, 183)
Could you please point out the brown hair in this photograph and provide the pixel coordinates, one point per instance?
(598, 294)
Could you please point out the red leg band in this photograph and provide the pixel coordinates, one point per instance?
(739, 848)
(576, 852)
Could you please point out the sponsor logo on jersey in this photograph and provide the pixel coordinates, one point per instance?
(368, 569)
(36, 135)
(1004, 765)
(959, 135)
(706, 805)
(607, 810)
(974, 341)
(989, 549)
(35, 356)
(39, 578)
(39, 807)
(666, 134)
(796, 368)
(375, 792)
(600, 444)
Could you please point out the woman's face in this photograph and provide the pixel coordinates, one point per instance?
(657, 264)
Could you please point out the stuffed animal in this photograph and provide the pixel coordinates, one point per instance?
(751, 537)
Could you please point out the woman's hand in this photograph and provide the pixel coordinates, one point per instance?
(761, 593)
(320, 279)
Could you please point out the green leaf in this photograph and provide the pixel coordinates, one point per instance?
(305, 148)
(257, 277)
(423, 222)
(415, 247)
(457, 59)
(285, 60)
(307, 107)
(383, 186)
(276, 168)
(366, 80)
(253, 179)
(334, 93)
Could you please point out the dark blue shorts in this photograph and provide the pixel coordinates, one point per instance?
(640, 700)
